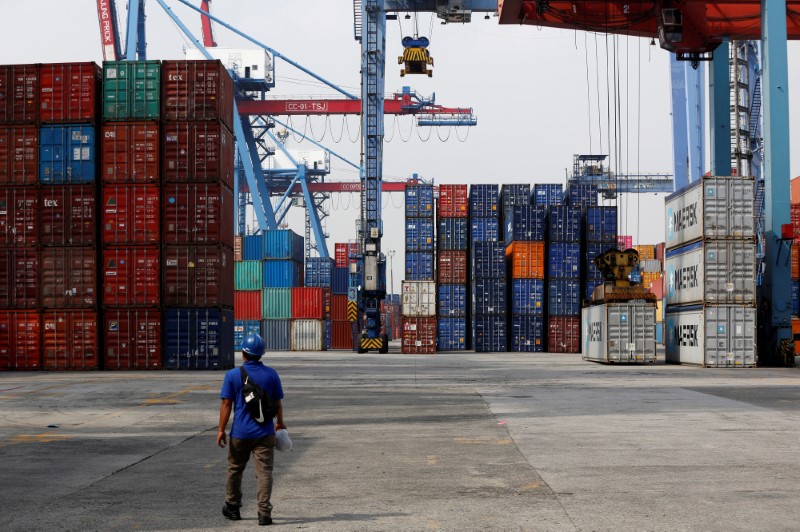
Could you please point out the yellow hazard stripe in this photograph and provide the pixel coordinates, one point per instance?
(352, 311)
(371, 343)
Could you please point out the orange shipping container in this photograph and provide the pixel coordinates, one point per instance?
(796, 261)
(527, 260)
(646, 251)
(237, 248)
(794, 190)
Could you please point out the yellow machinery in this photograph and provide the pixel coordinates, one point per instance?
(416, 57)
(616, 266)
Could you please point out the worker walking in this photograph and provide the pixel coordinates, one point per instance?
(250, 433)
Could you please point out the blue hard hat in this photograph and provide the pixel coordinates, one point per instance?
(253, 345)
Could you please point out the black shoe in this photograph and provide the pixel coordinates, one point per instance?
(231, 512)
(264, 520)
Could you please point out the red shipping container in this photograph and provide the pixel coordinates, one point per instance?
(247, 305)
(308, 303)
(197, 276)
(19, 278)
(69, 339)
(131, 276)
(20, 346)
(131, 214)
(69, 92)
(19, 216)
(69, 215)
(342, 336)
(69, 278)
(453, 267)
(419, 336)
(19, 155)
(624, 242)
(340, 254)
(130, 152)
(132, 339)
(453, 201)
(198, 152)
(198, 214)
(19, 94)
(196, 90)
(564, 334)
(338, 307)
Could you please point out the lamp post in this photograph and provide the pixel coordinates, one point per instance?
(391, 253)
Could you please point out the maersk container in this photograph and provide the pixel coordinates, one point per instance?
(197, 276)
(420, 234)
(419, 201)
(19, 155)
(453, 267)
(276, 303)
(248, 275)
(489, 334)
(131, 276)
(483, 201)
(282, 273)
(712, 272)
(67, 154)
(283, 244)
(619, 332)
(513, 195)
(564, 259)
(19, 94)
(20, 340)
(243, 328)
(453, 234)
(68, 278)
(198, 338)
(130, 153)
(197, 152)
(419, 299)
(70, 340)
(197, 213)
(132, 339)
(713, 207)
(131, 90)
(565, 224)
(601, 224)
(452, 301)
(526, 223)
(68, 215)
(197, 90)
(488, 260)
(420, 266)
(547, 194)
(484, 229)
(339, 281)
(718, 336)
(19, 278)
(277, 334)
(489, 297)
(451, 334)
(318, 272)
(581, 195)
(70, 92)
(308, 335)
(452, 201)
(19, 216)
(564, 297)
(527, 334)
(131, 214)
(527, 297)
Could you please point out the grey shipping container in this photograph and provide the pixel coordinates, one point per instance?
(719, 336)
(308, 335)
(277, 334)
(620, 332)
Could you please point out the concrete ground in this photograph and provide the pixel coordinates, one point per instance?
(455, 441)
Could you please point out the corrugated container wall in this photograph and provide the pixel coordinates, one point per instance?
(197, 152)
(526, 224)
(67, 154)
(197, 275)
(452, 301)
(451, 334)
(131, 214)
(19, 278)
(20, 340)
(131, 276)
(132, 339)
(547, 194)
(565, 224)
(198, 338)
(277, 334)
(527, 334)
(318, 272)
(19, 155)
(19, 216)
(601, 224)
(620, 332)
(580, 195)
(490, 334)
(131, 90)
(68, 278)
(197, 90)
(19, 94)
(419, 299)
(248, 275)
(308, 335)
(452, 201)
(719, 336)
(69, 92)
(70, 340)
(247, 305)
(130, 153)
(68, 215)
(283, 244)
(197, 214)
(419, 201)
(483, 201)
(419, 336)
(277, 303)
(564, 334)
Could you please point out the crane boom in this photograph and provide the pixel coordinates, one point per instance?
(109, 33)
(208, 30)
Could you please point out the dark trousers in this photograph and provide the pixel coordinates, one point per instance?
(263, 450)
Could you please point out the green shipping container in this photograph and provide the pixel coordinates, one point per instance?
(131, 90)
(247, 275)
(276, 303)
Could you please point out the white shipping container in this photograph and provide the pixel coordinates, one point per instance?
(722, 336)
(714, 207)
(712, 272)
(620, 332)
(650, 265)
(308, 335)
(419, 299)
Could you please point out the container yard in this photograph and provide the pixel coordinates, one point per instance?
(408, 269)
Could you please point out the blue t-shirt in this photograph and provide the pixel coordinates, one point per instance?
(267, 378)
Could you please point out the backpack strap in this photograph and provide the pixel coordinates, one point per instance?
(244, 374)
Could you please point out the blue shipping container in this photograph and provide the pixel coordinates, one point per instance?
(601, 224)
(419, 266)
(277, 334)
(253, 247)
(242, 328)
(489, 334)
(564, 297)
(419, 234)
(527, 334)
(283, 244)
(489, 297)
(483, 201)
(565, 224)
(453, 234)
(796, 298)
(548, 194)
(488, 260)
(452, 334)
(339, 281)
(591, 283)
(527, 297)
(318, 272)
(660, 333)
(67, 154)
(564, 259)
(282, 273)
(484, 229)
(526, 223)
(198, 338)
(419, 201)
(512, 195)
(593, 249)
(581, 195)
(452, 301)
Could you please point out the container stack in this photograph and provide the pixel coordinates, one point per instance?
(711, 273)
(392, 312)
(197, 225)
(601, 235)
(282, 272)
(564, 280)
(248, 278)
(487, 270)
(130, 196)
(342, 330)
(453, 238)
(794, 211)
(311, 307)
(547, 194)
(514, 195)
(419, 289)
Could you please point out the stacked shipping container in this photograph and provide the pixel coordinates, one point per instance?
(453, 239)
(488, 271)
(342, 330)
(601, 235)
(282, 267)
(419, 322)
(564, 280)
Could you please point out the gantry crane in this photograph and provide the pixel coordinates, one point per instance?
(591, 169)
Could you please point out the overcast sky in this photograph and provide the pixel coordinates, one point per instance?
(527, 86)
